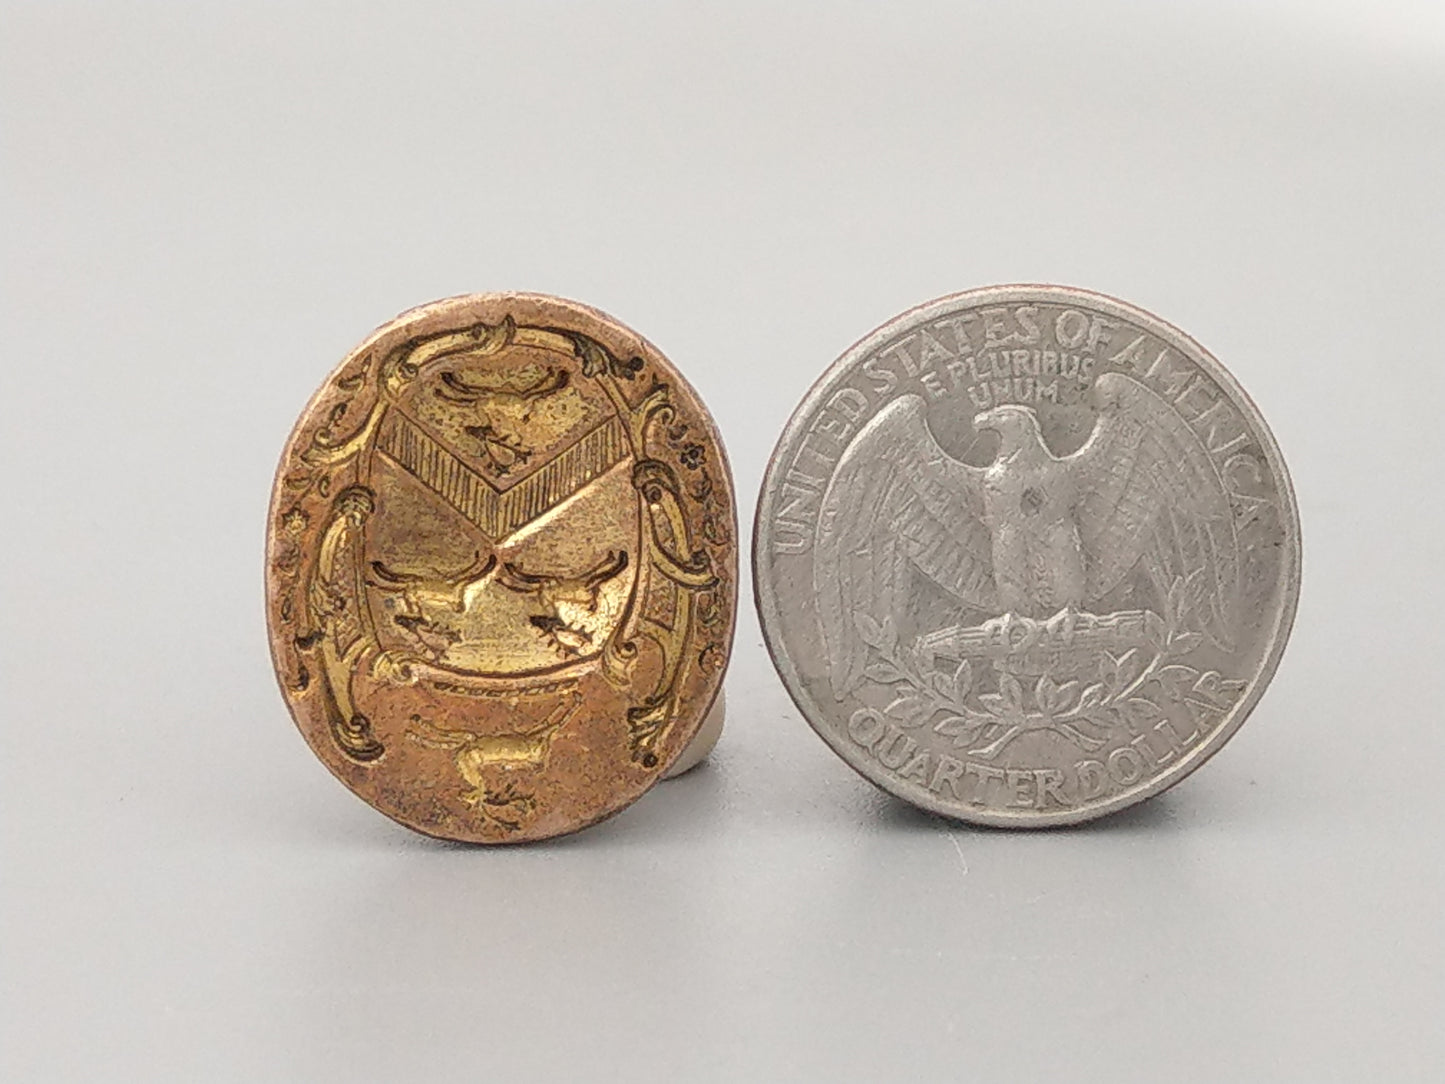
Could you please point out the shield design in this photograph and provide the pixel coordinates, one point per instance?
(501, 570)
(506, 535)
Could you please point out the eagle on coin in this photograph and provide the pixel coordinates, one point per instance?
(1032, 535)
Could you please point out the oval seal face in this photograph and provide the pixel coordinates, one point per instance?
(501, 568)
(1026, 555)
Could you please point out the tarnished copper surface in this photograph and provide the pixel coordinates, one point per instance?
(501, 568)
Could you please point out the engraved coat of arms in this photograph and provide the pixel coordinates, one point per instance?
(516, 527)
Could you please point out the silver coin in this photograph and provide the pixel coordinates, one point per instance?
(1026, 555)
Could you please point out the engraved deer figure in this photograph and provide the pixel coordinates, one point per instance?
(564, 598)
(423, 600)
(475, 753)
(514, 394)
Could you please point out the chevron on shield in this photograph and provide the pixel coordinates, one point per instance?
(499, 511)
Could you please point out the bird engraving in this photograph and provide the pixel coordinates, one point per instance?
(564, 599)
(1032, 537)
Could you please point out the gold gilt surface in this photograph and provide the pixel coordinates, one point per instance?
(501, 567)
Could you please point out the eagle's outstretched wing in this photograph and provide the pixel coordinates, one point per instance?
(896, 501)
(1149, 492)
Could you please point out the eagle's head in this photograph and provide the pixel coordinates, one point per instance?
(1017, 427)
(1109, 392)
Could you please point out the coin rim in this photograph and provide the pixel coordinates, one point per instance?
(766, 601)
(274, 505)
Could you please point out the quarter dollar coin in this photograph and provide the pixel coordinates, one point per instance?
(1026, 555)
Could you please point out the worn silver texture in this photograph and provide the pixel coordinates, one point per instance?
(1026, 555)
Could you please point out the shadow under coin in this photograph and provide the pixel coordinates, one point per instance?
(1169, 809)
(508, 952)
(685, 810)
(688, 810)
(997, 918)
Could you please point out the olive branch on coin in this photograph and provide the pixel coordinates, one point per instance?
(1126, 698)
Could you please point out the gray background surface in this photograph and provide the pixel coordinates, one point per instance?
(205, 207)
